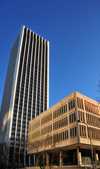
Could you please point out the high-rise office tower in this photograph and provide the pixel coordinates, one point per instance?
(26, 91)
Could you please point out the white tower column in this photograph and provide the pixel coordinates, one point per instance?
(47, 160)
(79, 159)
(61, 158)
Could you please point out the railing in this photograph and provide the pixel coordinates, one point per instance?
(89, 164)
(96, 163)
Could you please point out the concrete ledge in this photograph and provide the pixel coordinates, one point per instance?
(58, 167)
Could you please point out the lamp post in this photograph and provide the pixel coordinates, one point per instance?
(91, 147)
(90, 143)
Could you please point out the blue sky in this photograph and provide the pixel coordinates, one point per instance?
(73, 29)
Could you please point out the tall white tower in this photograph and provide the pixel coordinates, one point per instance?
(26, 91)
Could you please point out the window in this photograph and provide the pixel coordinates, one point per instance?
(60, 111)
(71, 104)
(60, 123)
(80, 103)
(72, 118)
(73, 132)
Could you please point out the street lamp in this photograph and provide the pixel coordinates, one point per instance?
(90, 143)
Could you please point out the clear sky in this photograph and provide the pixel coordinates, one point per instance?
(73, 29)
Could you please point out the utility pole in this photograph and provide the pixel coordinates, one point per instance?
(90, 143)
(91, 146)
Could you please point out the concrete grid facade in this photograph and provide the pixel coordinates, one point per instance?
(26, 91)
(72, 121)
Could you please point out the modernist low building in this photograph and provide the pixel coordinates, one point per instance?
(75, 123)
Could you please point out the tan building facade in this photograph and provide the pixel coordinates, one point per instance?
(75, 123)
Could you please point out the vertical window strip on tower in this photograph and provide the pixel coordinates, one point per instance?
(19, 83)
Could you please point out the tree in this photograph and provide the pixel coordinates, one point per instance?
(41, 147)
(54, 153)
(4, 155)
(17, 154)
(9, 156)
